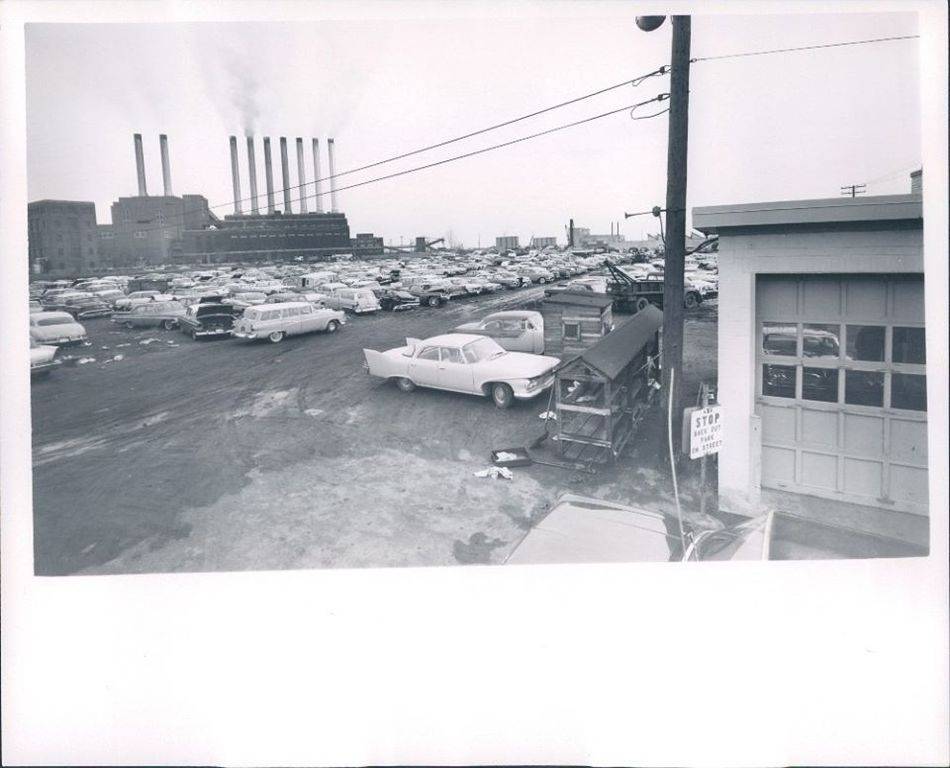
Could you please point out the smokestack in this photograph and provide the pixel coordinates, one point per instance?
(140, 164)
(166, 166)
(332, 172)
(285, 170)
(269, 175)
(570, 234)
(235, 178)
(252, 175)
(301, 176)
(318, 201)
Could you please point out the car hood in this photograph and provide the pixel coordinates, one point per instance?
(518, 365)
(468, 328)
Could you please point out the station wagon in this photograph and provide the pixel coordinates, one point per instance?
(275, 321)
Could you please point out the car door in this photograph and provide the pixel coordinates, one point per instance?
(310, 320)
(454, 371)
(514, 336)
(533, 335)
(424, 367)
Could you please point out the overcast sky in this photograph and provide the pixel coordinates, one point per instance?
(786, 126)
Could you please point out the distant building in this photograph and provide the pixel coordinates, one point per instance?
(268, 237)
(367, 244)
(62, 237)
(917, 182)
(507, 243)
(147, 229)
(543, 242)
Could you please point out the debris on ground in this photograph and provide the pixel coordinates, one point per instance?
(506, 456)
(144, 342)
(495, 473)
(84, 360)
(121, 345)
(119, 357)
(548, 416)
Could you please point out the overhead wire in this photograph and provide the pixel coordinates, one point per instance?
(665, 69)
(803, 48)
(473, 153)
(634, 82)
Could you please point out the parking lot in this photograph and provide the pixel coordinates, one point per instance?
(153, 452)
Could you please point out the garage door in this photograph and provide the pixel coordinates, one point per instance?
(842, 388)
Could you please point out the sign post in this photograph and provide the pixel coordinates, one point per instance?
(704, 438)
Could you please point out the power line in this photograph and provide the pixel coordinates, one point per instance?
(665, 69)
(473, 153)
(805, 48)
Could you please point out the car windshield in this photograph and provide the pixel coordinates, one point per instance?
(482, 349)
(46, 321)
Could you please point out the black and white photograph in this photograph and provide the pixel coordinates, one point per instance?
(486, 288)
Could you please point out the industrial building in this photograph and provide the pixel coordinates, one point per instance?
(62, 237)
(822, 361)
(269, 232)
(507, 243)
(543, 242)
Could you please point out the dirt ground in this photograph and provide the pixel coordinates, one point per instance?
(155, 453)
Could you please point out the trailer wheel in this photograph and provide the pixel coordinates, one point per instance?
(542, 280)
(406, 385)
(692, 300)
(502, 395)
(642, 304)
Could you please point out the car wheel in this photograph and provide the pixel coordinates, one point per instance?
(194, 335)
(434, 301)
(406, 385)
(642, 304)
(542, 280)
(128, 325)
(502, 395)
(692, 300)
(168, 325)
(275, 337)
(332, 326)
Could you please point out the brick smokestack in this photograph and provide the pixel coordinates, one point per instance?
(140, 164)
(301, 176)
(269, 175)
(235, 177)
(333, 208)
(285, 172)
(318, 201)
(166, 165)
(252, 175)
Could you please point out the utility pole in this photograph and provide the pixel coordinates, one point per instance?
(853, 190)
(675, 245)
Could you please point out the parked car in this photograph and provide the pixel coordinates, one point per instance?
(152, 315)
(393, 300)
(207, 320)
(56, 328)
(359, 301)
(585, 530)
(276, 321)
(464, 362)
(136, 297)
(86, 307)
(35, 307)
(42, 358)
(516, 331)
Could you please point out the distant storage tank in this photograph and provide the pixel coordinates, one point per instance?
(318, 200)
(301, 176)
(140, 163)
(166, 165)
(235, 178)
(252, 174)
(268, 175)
(285, 172)
(333, 208)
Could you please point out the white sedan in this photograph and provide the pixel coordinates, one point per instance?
(464, 362)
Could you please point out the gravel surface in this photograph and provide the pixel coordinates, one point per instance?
(167, 454)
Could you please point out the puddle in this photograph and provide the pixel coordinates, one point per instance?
(478, 549)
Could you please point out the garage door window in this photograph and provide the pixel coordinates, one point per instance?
(842, 387)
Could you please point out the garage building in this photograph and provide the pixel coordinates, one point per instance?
(822, 359)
